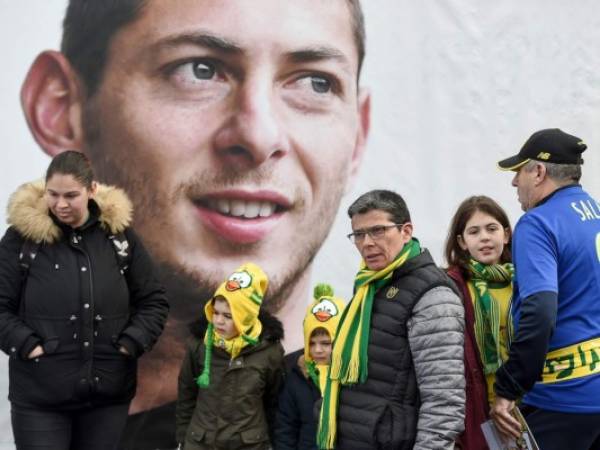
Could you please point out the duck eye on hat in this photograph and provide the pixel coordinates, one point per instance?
(551, 145)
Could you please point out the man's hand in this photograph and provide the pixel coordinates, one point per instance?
(37, 351)
(504, 420)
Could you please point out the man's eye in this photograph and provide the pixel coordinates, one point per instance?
(202, 70)
(377, 231)
(320, 84)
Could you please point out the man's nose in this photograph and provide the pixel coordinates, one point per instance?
(253, 133)
(368, 240)
(514, 180)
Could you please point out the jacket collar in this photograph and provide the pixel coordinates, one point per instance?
(28, 212)
(551, 194)
(424, 259)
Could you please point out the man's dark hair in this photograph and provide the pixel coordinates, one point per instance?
(383, 200)
(89, 26)
(73, 163)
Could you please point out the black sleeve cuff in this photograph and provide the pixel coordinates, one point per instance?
(506, 386)
(130, 345)
(27, 347)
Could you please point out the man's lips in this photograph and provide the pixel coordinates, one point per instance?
(242, 217)
(373, 256)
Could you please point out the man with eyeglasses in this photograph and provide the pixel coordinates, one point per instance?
(397, 376)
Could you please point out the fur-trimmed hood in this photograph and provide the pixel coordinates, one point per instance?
(28, 212)
(272, 327)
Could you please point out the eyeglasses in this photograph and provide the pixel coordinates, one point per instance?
(375, 233)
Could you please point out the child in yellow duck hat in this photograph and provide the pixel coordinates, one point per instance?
(296, 426)
(233, 368)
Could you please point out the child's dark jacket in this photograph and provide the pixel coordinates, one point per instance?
(237, 410)
(296, 423)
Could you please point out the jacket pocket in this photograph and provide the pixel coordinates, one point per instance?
(115, 377)
(403, 425)
(195, 440)
(384, 428)
(254, 439)
(109, 328)
(56, 333)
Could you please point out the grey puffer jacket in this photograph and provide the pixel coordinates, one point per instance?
(436, 334)
(414, 394)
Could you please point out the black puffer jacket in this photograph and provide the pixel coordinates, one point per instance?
(76, 303)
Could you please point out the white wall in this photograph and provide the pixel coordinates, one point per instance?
(457, 85)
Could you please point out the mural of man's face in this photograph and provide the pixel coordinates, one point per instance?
(234, 127)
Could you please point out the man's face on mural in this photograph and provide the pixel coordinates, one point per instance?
(233, 145)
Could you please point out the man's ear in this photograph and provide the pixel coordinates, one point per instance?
(540, 174)
(364, 124)
(407, 232)
(51, 98)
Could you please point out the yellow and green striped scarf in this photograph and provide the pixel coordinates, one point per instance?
(487, 316)
(349, 358)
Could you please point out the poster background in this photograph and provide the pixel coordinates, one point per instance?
(456, 86)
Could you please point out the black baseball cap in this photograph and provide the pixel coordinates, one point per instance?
(551, 145)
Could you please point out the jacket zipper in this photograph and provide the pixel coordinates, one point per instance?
(92, 311)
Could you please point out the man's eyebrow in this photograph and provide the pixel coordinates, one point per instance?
(320, 53)
(199, 39)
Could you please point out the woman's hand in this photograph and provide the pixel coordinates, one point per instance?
(36, 352)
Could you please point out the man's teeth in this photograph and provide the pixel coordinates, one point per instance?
(242, 208)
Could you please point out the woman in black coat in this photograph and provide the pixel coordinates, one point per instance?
(79, 303)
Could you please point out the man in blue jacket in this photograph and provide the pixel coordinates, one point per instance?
(554, 361)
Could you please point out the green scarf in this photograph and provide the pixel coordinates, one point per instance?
(487, 316)
(349, 358)
(313, 372)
